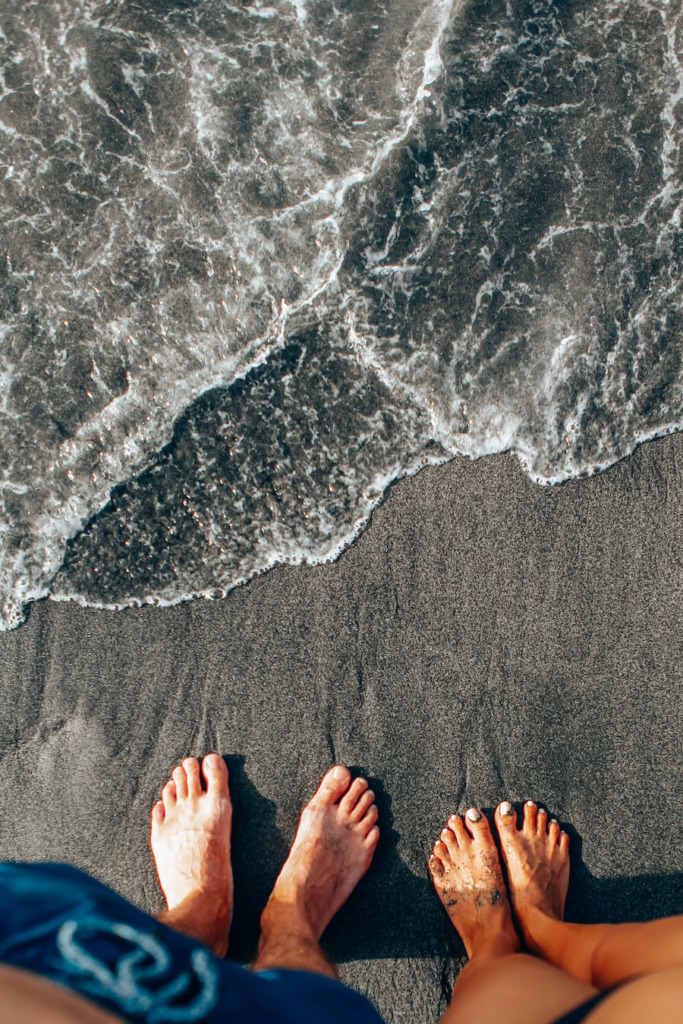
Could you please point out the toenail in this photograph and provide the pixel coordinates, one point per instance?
(553, 821)
(473, 814)
(339, 773)
(444, 833)
(530, 803)
(506, 808)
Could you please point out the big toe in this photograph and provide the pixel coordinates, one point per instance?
(334, 783)
(216, 774)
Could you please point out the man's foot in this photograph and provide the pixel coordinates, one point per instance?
(537, 861)
(333, 848)
(468, 877)
(191, 845)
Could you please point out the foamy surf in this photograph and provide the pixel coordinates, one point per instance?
(261, 262)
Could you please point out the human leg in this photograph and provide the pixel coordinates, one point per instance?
(26, 997)
(653, 999)
(190, 840)
(530, 990)
(59, 925)
(537, 861)
(468, 878)
(333, 848)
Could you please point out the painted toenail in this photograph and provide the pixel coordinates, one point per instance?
(553, 821)
(444, 833)
(339, 773)
(506, 808)
(530, 803)
(473, 814)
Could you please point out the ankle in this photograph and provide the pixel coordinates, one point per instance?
(534, 923)
(201, 916)
(288, 942)
(571, 947)
(287, 917)
(495, 944)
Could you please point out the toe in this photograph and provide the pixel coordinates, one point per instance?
(372, 838)
(369, 819)
(506, 820)
(216, 774)
(542, 822)
(477, 824)
(169, 795)
(192, 774)
(158, 813)
(435, 866)
(553, 831)
(334, 783)
(449, 841)
(180, 779)
(350, 799)
(530, 816)
(455, 824)
(366, 801)
(441, 851)
(564, 843)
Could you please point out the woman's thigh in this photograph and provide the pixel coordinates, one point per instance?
(517, 989)
(652, 999)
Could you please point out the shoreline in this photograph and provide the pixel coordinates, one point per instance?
(482, 638)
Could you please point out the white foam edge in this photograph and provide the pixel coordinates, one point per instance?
(331, 553)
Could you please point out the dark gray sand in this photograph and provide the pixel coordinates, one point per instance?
(485, 638)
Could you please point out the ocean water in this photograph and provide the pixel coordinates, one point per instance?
(260, 259)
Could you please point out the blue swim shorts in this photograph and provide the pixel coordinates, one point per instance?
(58, 922)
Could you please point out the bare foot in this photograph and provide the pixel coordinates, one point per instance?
(468, 877)
(191, 845)
(333, 848)
(537, 861)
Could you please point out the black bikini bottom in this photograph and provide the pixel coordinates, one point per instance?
(581, 1012)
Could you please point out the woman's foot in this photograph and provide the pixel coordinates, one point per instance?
(333, 848)
(191, 845)
(468, 877)
(537, 862)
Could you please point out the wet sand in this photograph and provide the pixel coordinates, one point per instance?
(484, 638)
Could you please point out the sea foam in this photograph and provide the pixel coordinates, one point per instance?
(261, 261)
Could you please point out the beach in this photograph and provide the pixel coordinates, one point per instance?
(484, 638)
